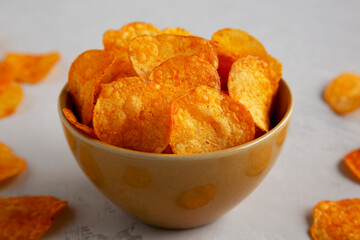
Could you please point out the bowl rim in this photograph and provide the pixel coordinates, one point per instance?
(173, 157)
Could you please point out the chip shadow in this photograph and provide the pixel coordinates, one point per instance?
(61, 220)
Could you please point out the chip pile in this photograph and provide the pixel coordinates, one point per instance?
(168, 91)
(21, 68)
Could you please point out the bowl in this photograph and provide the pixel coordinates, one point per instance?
(179, 191)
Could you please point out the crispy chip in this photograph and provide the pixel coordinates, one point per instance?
(275, 65)
(7, 75)
(336, 220)
(10, 164)
(343, 93)
(70, 116)
(124, 65)
(147, 52)
(176, 31)
(32, 68)
(181, 74)
(133, 114)
(207, 120)
(122, 37)
(88, 70)
(10, 99)
(27, 217)
(253, 83)
(352, 161)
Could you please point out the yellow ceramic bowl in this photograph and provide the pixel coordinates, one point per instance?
(179, 191)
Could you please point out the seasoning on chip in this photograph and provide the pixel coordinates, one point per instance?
(253, 83)
(176, 31)
(352, 161)
(133, 114)
(30, 68)
(336, 220)
(10, 99)
(181, 74)
(147, 52)
(343, 93)
(207, 120)
(7, 75)
(27, 217)
(10, 164)
(73, 120)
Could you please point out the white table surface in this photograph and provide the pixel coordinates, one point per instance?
(315, 41)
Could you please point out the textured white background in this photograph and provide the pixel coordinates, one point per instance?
(315, 41)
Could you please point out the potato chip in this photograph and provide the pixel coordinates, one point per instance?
(336, 220)
(176, 31)
(27, 217)
(10, 99)
(253, 83)
(182, 73)
(207, 120)
(122, 37)
(70, 116)
(7, 75)
(10, 164)
(147, 52)
(88, 70)
(32, 68)
(125, 67)
(275, 65)
(352, 161)
(133, 114)
(343, 93)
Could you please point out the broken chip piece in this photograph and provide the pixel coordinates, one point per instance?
(7, 75)
(73, 120)
(27, 217)
(253, 83)
(10, 164)
(207, 120)
(31, 68)
(352, 161)
(10, 99)
(336, 220)
(147, 52)
(343, 93)
(133, 114)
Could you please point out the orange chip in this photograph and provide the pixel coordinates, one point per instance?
(124, 65)
(27, 217)
(7, 75)
(176, 31)
(253, 83)
(88, 70)
(147, 52)
(133, 114)
(121, 38)
(343, 93)
(73, 120)
(336, 220)
(10, 99)
(275, 65)
(352, 161)
(207, 120)
(182, 73)
(32, 68)
(10, 164)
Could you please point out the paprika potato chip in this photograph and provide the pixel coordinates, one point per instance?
(336, 220)
(27, 217)
(32, 68)
(147, 52)
(7, 75)
(10, 164)
(207, 120)
(10, 99)
(73, 120)
(253, 83)
(352, 161)
(134, 114)
(122, 37)
(88, 70)
(343, 93)
(176, 31)
(182, 73)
